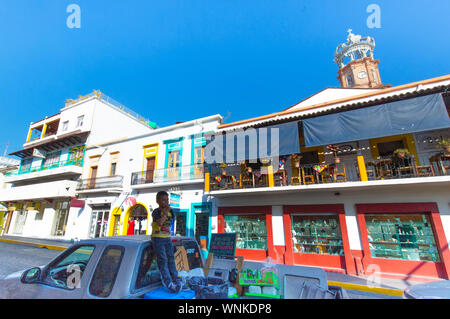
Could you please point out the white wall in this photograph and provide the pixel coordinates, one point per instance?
(71, 114)
(110, 124)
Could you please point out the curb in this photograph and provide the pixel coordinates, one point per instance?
(378, 290)
(53, 247)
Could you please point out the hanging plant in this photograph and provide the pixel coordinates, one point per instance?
(402, 152)
(445, 145)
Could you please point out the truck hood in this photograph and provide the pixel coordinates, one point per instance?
(432, 290)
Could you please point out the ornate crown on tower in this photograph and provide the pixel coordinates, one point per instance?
(356, 48)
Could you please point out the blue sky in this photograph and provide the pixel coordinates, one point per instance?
(173, 60)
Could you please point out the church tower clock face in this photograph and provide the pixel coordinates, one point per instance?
(362, 74)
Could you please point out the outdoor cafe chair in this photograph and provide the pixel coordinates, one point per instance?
(308, 177)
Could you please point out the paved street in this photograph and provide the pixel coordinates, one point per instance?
(15, 257)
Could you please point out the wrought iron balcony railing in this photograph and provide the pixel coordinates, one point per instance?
(100, 182)
(235, 176)
(71, 162)
(162, 175)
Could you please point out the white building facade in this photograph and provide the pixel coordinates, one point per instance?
(41, 194)
(129, 173)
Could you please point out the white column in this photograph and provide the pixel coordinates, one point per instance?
(278, 226)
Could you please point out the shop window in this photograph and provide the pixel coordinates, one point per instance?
(106, 272)
(74, 260)
(148, 273)
(317, 234)
(407, 237)
(251, 230)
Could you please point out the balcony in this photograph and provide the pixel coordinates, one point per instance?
(103, 184)
(52, 170)
(221, 178)
(55, 189)
(174, 176)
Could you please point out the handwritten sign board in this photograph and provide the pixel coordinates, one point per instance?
(223, 245)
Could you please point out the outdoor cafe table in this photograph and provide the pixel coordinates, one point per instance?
(381, 166)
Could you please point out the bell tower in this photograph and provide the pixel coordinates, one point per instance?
(357, 67)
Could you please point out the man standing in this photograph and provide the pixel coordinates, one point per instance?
(162, 244)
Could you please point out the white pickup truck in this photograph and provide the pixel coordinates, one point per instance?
(125, 267)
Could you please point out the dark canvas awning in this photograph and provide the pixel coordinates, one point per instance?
(406, 116)
(54, 145)
(253, 143)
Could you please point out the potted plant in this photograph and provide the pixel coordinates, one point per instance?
(401, 152)
(444, 144)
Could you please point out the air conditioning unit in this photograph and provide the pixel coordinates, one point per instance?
(33, 206)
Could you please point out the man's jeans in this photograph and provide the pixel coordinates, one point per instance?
(163, 249)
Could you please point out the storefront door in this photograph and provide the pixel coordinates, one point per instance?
(116, 225)
(20, 222)
(62, 215)
(99, 223)
(181, 222)
(201, 225)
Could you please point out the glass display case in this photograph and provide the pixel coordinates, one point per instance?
(318, 234)
(251, 232)
(407, 237)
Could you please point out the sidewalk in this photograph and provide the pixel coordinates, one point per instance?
(55, 244)
(385, 286)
